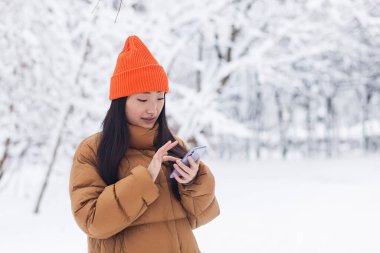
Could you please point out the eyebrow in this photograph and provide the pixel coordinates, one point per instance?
(149, 92)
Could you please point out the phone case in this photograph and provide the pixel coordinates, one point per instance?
(195, 153)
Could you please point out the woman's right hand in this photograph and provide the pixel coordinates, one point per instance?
(159, 157)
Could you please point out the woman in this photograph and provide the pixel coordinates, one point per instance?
(120, 190)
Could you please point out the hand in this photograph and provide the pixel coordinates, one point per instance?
(188, 174)
(159, 157)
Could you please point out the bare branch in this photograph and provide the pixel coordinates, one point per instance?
(121, 2)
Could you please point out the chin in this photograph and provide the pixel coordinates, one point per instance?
(148, 125)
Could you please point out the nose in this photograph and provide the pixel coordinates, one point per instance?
(152, 108)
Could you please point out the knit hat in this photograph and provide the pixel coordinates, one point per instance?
(137, 71)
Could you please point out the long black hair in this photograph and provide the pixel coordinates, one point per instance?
(115, 139)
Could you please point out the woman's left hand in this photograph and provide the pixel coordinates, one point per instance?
(187, 173)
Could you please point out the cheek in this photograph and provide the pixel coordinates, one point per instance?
(132, 111)
(161, 106)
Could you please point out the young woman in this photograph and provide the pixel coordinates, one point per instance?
(120, 190)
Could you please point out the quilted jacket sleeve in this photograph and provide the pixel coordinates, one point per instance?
(198, 198)
(102, 211)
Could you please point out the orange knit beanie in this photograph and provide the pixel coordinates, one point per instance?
(136, 71)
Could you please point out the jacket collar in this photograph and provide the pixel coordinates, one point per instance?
(142, 138)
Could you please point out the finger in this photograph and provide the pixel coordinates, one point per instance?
(164, 148)
(172, 145)
(194, 165)
(180, 171)
(192, 162)
(165, 145)
(179, 180)
(185, 175)
(166, 158)
(184, 167)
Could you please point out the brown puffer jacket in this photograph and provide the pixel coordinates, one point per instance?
(137, 215)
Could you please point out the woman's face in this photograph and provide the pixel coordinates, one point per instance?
(143, 109)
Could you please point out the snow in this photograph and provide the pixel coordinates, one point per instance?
(266, 206)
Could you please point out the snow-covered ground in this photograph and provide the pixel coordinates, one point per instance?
(267, 206)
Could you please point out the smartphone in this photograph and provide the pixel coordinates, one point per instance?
(195, 153)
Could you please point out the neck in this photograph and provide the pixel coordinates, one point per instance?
(142, 138)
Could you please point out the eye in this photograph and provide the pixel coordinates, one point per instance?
(161, 98)
(142, 100)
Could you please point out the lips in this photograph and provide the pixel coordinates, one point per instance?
(149, 120)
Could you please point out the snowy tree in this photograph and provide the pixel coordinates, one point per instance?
(249, 79)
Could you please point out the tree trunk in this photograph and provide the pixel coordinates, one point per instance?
(281, 125)
(5, 156)
(69, 110)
